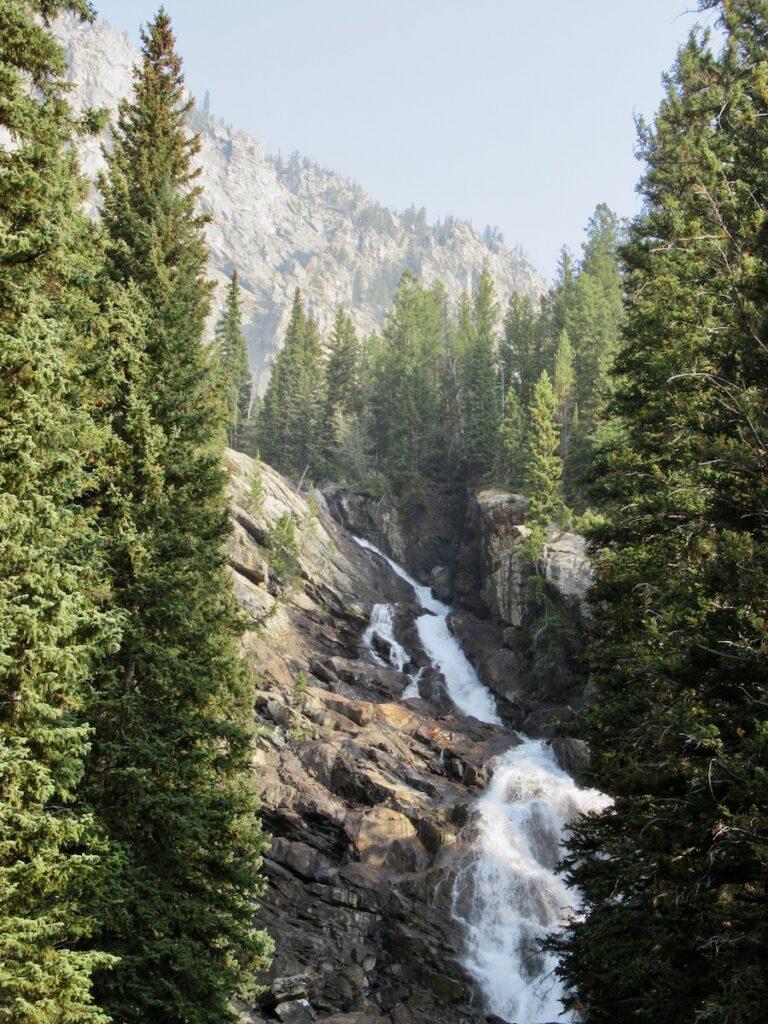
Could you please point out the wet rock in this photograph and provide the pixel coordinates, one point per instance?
(572, 755)
(497, 666)
(544, 723)
(432, 688)
(370, 679)
(441, 582)
(423, 536)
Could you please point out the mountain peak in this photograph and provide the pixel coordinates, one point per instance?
(290, 223)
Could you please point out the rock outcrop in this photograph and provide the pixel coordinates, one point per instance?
(424, 538)
(538, 608)
(293, 224)
(365, 794)
(520, 621)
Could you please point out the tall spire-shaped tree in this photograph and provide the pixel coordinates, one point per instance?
(48, 624)
(482, 403)
(233, 355)
(170, 777)
(544, 467)
(674, 874)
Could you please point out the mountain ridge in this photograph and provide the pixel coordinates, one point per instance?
(293, 224)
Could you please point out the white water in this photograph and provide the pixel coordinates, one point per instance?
(464, 688)
(507, 895)
(382, 625)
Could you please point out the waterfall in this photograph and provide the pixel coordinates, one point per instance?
(444, 650)
(507, 894)
(382, 625)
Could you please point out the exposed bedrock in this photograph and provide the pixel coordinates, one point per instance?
(365, 794)
(521, 622)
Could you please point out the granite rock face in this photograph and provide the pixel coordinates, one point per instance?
(423, 539)
(288, 225)
(365, 794)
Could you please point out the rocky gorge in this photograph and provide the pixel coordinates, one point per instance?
(371, 799)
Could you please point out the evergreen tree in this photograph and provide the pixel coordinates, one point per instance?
(290, 425)
(410, 422)
(342, 397)
(563, 387)
(341, 368)
(520, 347)
(233, 355)
(594, 313)
(170, 776)
(544, 467)
(49, 625)
(513, 441)
(674, 875)
(481, 404)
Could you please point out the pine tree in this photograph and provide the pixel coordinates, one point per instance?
(233, 355)
(481, 404)
(594, 312)
(674, 875)
(410, 421)
(544, 467)
(512, 434)
(170, 775)
(290, 423)
(563, 388)
(342, 392)
(520, 347)
(49, 623)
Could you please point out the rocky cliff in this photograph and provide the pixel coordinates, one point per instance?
(520, 622)
(289, 224)
(365, 793)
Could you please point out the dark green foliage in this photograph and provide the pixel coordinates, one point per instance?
(233, 357)
(284, 550)
(49, 623)
(169, 777)
(675, 876)
(290, 435)
(521, 346)
(513, 433)
(544, 467)
(481, 403)
(408, 399)
(342, 393)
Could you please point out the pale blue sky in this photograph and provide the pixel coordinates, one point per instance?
(504, 112)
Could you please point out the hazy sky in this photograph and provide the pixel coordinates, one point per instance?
(504, 112)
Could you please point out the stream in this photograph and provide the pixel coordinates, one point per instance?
(507, 894)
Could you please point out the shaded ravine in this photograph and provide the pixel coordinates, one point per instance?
(507, 894)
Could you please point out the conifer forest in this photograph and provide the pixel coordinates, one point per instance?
(423, 678)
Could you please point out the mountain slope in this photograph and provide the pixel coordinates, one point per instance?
(293, 224)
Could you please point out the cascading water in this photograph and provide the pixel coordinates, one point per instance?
(507, 894)
(444, 651)
(382, 625)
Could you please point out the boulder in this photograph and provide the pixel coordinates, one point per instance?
(297, 1011)
(566, 567)
(572, 755)
(544, 723)
(441, 582)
